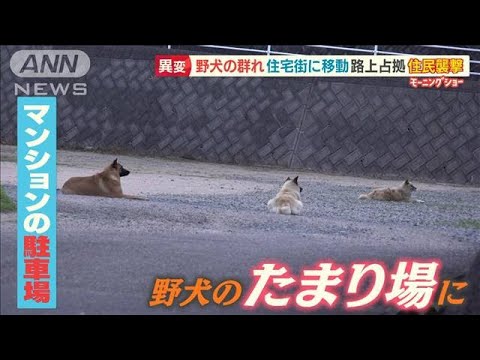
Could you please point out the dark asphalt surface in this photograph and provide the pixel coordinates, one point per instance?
(111, 250)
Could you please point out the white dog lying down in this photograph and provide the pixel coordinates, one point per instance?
(287, 201)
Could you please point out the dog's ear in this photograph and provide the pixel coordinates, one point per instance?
(288, 178)
(295, 180)
(406, 182)
(114, 164)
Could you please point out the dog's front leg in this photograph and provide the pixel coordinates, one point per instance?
(417, 201)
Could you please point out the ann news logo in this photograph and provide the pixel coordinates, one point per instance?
(46, 64)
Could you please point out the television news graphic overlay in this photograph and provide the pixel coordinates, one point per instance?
(37, 66)
(37, 202)
(312, 65)
(410, 285)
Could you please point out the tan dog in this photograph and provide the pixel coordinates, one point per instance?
(400, 193)
(105, 183)
(287, 201)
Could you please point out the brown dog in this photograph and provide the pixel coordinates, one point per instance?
(400, 193)
(105, 183)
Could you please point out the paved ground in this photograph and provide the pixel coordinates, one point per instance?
(211, 220)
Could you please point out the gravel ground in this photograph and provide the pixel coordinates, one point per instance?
(211, 220)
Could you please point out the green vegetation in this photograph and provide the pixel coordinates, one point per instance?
(469, 223)
(6, 204)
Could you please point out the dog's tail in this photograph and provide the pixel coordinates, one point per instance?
(363, 197)
(133, 197)
(285, 209)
